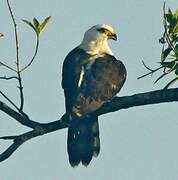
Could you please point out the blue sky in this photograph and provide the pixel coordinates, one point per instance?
(136, 144)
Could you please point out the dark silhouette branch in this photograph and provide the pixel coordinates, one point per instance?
(8, 67)
(9, 78)
(151, 71)
(38, 131)
(10, 101)
(116, 104)
(141, 99)
(17, 57)
(21, 118)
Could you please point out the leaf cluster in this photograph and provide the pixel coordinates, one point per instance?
(36, 26)
(169, 41)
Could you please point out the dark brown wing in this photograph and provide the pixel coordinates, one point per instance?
(103, 80)
(83, 134)
(72, 67)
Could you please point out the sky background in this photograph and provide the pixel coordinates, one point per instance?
(136, 144)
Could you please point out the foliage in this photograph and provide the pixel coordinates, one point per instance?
(169, 41)
(37, 27)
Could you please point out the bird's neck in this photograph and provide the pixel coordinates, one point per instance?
(98, 47)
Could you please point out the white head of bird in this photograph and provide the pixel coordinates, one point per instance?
(95, 39)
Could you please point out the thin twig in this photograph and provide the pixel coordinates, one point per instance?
(8, 67)
(9, 78)
(21, 92)
(17, 57)
(151, 72)
(146, 66)
(10, 101)
(35, 53)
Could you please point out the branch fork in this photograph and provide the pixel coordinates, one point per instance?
(116, 104)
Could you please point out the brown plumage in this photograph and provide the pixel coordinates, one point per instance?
(88, 82)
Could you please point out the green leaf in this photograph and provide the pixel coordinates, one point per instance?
(171, 82)
(165, 53)
(176, 14)
(176, 51)
(30, 24)
(175, 39)
(36, 23)
(168, 64)
(172, 25)
(162, 40)
(169, 16)
(176, 71)
(44, 24)
(175, 29)
(169, 11)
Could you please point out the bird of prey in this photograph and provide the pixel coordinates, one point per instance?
(91, 76)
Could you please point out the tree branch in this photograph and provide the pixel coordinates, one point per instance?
(34, 55)
(141, 99)
(9, 78)
(17, 57)
(21, 118)
(8, 67)
(10, 101)
(19, 140)
(116, 104)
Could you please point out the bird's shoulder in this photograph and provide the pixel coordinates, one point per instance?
(72, 66)
(76, 56)
(109, 62)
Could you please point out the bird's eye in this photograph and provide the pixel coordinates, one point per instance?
(102, 30)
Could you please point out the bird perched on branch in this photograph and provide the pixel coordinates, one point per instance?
(91, 76)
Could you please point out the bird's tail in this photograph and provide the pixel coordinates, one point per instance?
(83, 140)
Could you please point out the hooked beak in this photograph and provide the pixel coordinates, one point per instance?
(114, 36)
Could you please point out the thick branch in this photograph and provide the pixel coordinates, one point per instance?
(141, 99)
(117, 103)
(21, 118)
(40, 130)
(10, 101)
